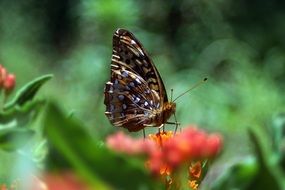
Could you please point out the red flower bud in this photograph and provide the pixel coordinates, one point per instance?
(9, 83)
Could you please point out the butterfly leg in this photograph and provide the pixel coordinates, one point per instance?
(161, 127)
(143, 133)
(172, 123)
(176, 125)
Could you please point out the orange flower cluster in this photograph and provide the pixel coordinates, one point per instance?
(190, 144)
(195, 174)
(7, 80)
(167, 153)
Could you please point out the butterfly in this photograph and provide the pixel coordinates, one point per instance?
(135, 96)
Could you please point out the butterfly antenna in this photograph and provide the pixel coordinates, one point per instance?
(171, 95)
(196, 85)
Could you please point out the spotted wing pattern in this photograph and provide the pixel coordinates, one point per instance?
(135, 94)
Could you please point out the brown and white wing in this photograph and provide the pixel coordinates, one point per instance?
(129, 53)
(135, 89)
(129, 101)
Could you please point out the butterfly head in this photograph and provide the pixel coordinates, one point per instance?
(169, 109)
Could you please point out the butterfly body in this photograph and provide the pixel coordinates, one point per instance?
(135, 96)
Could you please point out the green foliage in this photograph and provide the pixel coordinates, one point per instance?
(14, 138)
(268, 175)
(261, 171)
(238, 45)
(103, 169)
(239, 176)
(19, 132)
(19, 114)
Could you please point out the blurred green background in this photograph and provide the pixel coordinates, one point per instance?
(238, 45)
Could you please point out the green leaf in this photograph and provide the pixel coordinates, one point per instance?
(259, 171)
(278, 129)
(27, 92)
(14, 138)
(98, 165)
(21, 115)
(269, 175)
(238, 176)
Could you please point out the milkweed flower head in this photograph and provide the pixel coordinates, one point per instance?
(167, 153)
(191, 144)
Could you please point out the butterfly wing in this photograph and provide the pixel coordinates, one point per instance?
(129, 52)
(129, 101)
(135, 90)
